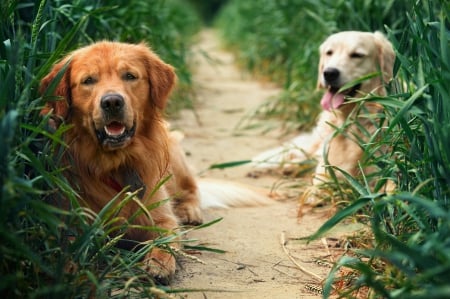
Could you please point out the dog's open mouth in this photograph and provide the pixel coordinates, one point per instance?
(115, 134)
(334, 97)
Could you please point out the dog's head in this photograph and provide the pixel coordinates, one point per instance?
(109, 90)
(347, 56)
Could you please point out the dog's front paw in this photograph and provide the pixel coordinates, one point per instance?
(313, 196)
(188, 212)
(161, 265)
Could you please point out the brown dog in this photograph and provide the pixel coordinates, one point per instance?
(113, 95)
(345, 57)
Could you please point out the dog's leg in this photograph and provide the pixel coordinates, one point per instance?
(160, 262)
(183, 186)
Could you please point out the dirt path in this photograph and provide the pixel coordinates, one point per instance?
(255, 264)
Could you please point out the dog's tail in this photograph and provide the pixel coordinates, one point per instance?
(225, 194)
(292, 152)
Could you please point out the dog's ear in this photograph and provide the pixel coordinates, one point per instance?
(320, 69)
(57, 84)
(161, 76)
(386, 56)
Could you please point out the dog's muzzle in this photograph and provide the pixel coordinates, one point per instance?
(115, 133)
(334, 97)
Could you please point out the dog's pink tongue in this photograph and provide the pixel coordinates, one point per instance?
(331, 100)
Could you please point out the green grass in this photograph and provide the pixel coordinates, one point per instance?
(48, 252)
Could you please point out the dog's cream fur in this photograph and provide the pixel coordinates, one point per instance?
(345, 57)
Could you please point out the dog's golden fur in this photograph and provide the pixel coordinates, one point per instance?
(113, 95)
(345, 57)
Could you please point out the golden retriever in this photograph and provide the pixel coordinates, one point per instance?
(345, 57)
(113, 95)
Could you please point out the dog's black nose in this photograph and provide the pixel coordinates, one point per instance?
(112, 103)
(331, 75)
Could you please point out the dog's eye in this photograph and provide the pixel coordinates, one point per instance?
(129, 77)
(88, 81)
(356, 55)
(329, 52)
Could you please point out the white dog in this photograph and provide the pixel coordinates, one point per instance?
(345, 57)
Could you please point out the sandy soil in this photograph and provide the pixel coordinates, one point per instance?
(255, 265)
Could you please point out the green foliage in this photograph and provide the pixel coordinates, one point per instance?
(208, 9)
(48, 252)
(369, 15)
